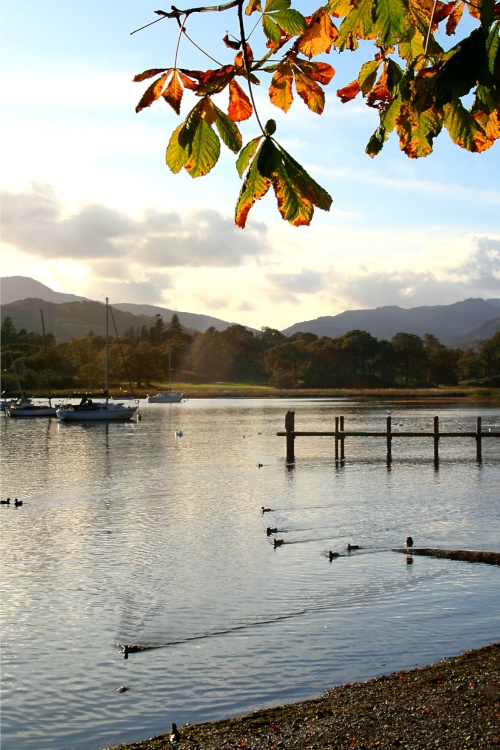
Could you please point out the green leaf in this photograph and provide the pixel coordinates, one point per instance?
(272, 5)
(465, 65)
(176, 155)
(254, 187)
(391, 21)
(376, 142)
(204, 151)
(293, 206)
(247, 154)
(290, 21)
(271, 29)
(228, 130)
(368, 75)
(308, 187)
(464, 130)
(493, 47)
(268, 158)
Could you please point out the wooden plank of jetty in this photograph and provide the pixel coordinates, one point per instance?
(475, 556)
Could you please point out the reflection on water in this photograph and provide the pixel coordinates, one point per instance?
(131, 535)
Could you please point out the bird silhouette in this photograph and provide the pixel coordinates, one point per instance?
(333, 555)
(5, 502)
(409, 542)
(17, 502)
(271, 530)
(174, 733)
(351, 547)
(278, 542)
(266, 510)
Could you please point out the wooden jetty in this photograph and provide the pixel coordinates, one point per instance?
(340, 434)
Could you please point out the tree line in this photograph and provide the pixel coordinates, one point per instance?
(267, 357)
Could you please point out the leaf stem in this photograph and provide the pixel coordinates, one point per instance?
(247, 62)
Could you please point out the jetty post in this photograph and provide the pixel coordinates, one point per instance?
(336, 439)
(478, 439)
(436, 441)
(389, 440)
(342, 439)
(290, 436)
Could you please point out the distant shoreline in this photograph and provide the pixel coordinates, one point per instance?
(242, 390)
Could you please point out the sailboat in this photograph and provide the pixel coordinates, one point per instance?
(89, 410)
(170, 396)
(24, 407)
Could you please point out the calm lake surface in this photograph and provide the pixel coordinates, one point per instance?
(129, 534)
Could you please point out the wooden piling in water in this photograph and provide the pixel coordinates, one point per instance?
(340, 434)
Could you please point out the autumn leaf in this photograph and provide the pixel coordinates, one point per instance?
(319, 36)
(240, 107)
(174, 91)
(309, 91)
(417, 129)
(152, 93)
(148, 74)
(280, 90)
(349, 92)
(296, 192)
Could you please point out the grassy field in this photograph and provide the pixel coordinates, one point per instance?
(244, 390)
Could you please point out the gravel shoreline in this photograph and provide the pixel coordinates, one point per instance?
(452, 705)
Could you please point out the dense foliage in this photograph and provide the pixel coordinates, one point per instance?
(417, 86)
(355, 360)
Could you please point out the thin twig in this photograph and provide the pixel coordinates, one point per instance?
(246, 62)
(429, 30)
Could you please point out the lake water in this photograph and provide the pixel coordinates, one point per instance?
(129, 534)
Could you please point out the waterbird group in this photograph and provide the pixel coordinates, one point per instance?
(17, 502)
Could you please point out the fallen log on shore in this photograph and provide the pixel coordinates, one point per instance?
(474, 556)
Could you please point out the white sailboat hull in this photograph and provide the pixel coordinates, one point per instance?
(96, 411)
(26, 410)
(166, 398)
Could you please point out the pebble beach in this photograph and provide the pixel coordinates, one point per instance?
(451, 705)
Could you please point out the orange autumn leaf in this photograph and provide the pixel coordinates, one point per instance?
(280, 90)
(152, 93)
(240, 108)
(320, 35)
(349, 92)
(173, 92)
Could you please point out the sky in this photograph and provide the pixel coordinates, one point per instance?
(89, 207)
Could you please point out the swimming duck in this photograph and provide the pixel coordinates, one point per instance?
(350, 547)
(174, 733)
(271, 530)
(266, 510)
(131, 648)
(17, 502)
(333, 555)
(278, 542)
(5, 502)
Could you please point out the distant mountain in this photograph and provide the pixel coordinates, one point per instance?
(449, 323)
(14, 288)
(191, 321)
(67, 315)
(482, 332)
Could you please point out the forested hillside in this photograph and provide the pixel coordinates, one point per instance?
(303, 360)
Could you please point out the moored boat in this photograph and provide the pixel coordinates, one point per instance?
(89, 410)
(166, 397)
(26, 408)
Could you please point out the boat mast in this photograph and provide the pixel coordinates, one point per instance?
(45, 352)
(107, 358)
